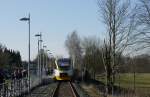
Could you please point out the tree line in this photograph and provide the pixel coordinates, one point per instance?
(9, 59)
(91, 56)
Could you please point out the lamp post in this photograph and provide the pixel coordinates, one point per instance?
(44, 46)
(47, 59)
(40, 57)
(51, 57)
(28, 19)
(39, 35)
(38, 71)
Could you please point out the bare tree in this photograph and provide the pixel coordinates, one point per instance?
(74, 47)
(119, 26)
(143, 20)
(92, 58)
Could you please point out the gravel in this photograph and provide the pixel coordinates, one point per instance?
(45, 90)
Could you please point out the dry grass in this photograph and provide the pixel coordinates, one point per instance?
(142, 84)
(91, 90)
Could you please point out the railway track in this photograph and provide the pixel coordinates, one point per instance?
(65, 89)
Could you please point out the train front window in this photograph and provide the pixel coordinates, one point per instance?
(64, 67)
(64, 64)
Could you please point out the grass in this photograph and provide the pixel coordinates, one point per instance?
(142, 80)
(142, 83)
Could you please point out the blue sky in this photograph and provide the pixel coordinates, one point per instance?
(55, 18)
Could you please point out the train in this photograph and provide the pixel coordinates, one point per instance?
(63, 69)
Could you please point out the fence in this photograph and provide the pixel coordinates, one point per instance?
(17, 87)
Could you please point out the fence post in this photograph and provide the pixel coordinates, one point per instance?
(1, 87)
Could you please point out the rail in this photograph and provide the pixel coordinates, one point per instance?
(55, 90)
(68, 87)
(73, 90)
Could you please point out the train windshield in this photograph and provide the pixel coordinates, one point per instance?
(64, 64)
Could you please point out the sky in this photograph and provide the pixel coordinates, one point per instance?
(54, 18)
